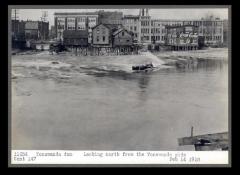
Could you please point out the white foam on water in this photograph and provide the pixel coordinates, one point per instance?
(42, 63)
(43, 53)
(154, 59)
(16, 75)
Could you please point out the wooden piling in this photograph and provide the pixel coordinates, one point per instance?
(192, 131)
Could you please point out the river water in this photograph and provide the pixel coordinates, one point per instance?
(88, 108)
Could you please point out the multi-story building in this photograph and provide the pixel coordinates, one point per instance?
(52, 32)
(154, 31)
(36, 30)
(144, 28)
(106, 17)
(18, 34)
(122, 38)
(75, 21)
(18, 30)
(210, 29)
(111, 35)
(102, 35)
(132, 24)
(183, 37)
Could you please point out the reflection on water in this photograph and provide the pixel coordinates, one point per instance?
(119, 110)
(206, 64)
(144, 81)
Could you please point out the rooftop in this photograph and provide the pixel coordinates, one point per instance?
(75, 34)
(131, 16)
(75, 13)
(179, 26)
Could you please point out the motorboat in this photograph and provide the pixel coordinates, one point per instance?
(144, 67)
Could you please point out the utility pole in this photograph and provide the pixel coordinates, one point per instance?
(15, 14)
(192, 131)
(43, 20)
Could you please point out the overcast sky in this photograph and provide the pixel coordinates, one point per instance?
(187, 13)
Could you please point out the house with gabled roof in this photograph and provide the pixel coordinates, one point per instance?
(111, 35)
(102, 35)
(122, 38)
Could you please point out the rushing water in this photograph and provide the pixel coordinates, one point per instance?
(92, 109)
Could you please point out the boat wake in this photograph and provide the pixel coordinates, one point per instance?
(153, 59)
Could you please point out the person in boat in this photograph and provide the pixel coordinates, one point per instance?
(150, 65)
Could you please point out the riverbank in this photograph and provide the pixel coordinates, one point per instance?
(192, 58)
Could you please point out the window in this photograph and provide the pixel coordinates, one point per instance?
(97, 38)
(122, 33)
(98, 31)
(130, 27)
(81, 27)
(135, 28)
(61, 23)
(103, 38)
(71, 23)
(81, 24)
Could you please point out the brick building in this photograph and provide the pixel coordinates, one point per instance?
(75, 22)
(106, 17)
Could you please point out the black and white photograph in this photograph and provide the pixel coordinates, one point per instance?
(120, 78)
